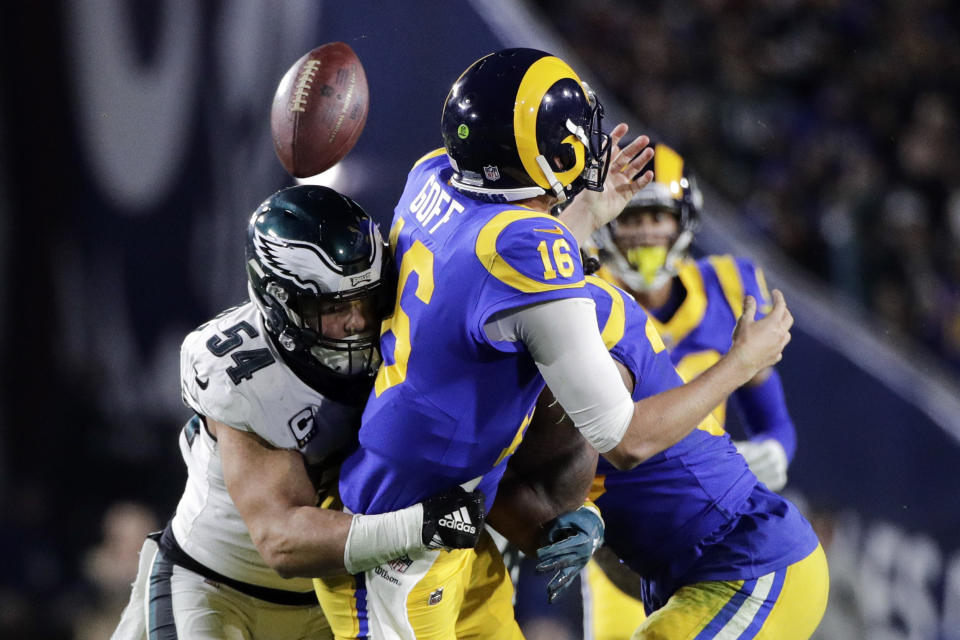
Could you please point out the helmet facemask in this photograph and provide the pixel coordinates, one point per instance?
(645, 266)
(308, 328)
(597, 146)
(648, 266)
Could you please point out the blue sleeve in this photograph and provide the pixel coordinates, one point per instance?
(765, 415)
(632, 340)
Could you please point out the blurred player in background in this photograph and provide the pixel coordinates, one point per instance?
(278, 385)
(491, 303)
(694, 306)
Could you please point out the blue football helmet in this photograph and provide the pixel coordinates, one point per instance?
(673, 191)
(520, 123)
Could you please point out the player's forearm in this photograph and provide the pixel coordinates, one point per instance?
(662, 420)
(550, 474)
(622, 576)
(304, 542)
(314, 542)
(521, 511)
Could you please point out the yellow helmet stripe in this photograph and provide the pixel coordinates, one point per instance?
(668, 169)
(541, 75)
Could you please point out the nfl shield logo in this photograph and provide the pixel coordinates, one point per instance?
(435, 597)
(492, 173)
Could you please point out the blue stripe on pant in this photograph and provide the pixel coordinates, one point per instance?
(761, 616)
(743, 615)
(727, 612)
(160, 622)
(363, 617)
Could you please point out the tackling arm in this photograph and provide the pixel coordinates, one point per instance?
(274, 495)
(277, 501)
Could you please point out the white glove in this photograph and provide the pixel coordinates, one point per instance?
(767, 460)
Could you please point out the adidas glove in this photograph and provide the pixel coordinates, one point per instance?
(453, 519)
(768, 461)
(571, 540)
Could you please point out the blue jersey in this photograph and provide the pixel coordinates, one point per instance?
(694, 511)
(449, 405)
(699, 331)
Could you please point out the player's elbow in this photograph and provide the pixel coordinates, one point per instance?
(627, 455)
(637, 445)
(284, 567)
(276, 552)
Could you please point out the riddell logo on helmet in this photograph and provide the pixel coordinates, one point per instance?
(355, 280)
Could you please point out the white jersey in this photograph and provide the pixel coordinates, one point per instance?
(231, 372)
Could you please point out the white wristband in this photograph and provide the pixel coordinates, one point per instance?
(375, 539)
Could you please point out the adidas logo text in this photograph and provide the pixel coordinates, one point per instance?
(459, 526)
(458, 521)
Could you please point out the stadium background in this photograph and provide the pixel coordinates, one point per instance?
(135, 142)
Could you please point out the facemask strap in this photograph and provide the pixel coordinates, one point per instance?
(552, 177)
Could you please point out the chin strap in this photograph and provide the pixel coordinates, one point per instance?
(551, 178)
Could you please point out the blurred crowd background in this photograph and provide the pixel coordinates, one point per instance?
(832, 125)
(135, 143)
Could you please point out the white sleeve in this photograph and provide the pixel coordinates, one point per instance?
(563, 338)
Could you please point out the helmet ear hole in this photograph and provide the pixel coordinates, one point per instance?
(565, 158)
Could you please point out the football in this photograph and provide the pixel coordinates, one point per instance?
(319, 109)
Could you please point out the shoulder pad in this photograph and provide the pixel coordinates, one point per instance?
(214, 383)
(530, 251)
(739, 277)
(429, 156)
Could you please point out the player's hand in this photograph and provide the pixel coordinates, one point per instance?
(767, 460)
(453, 519)
(758, 344)
(590, 210)
(571, 540)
